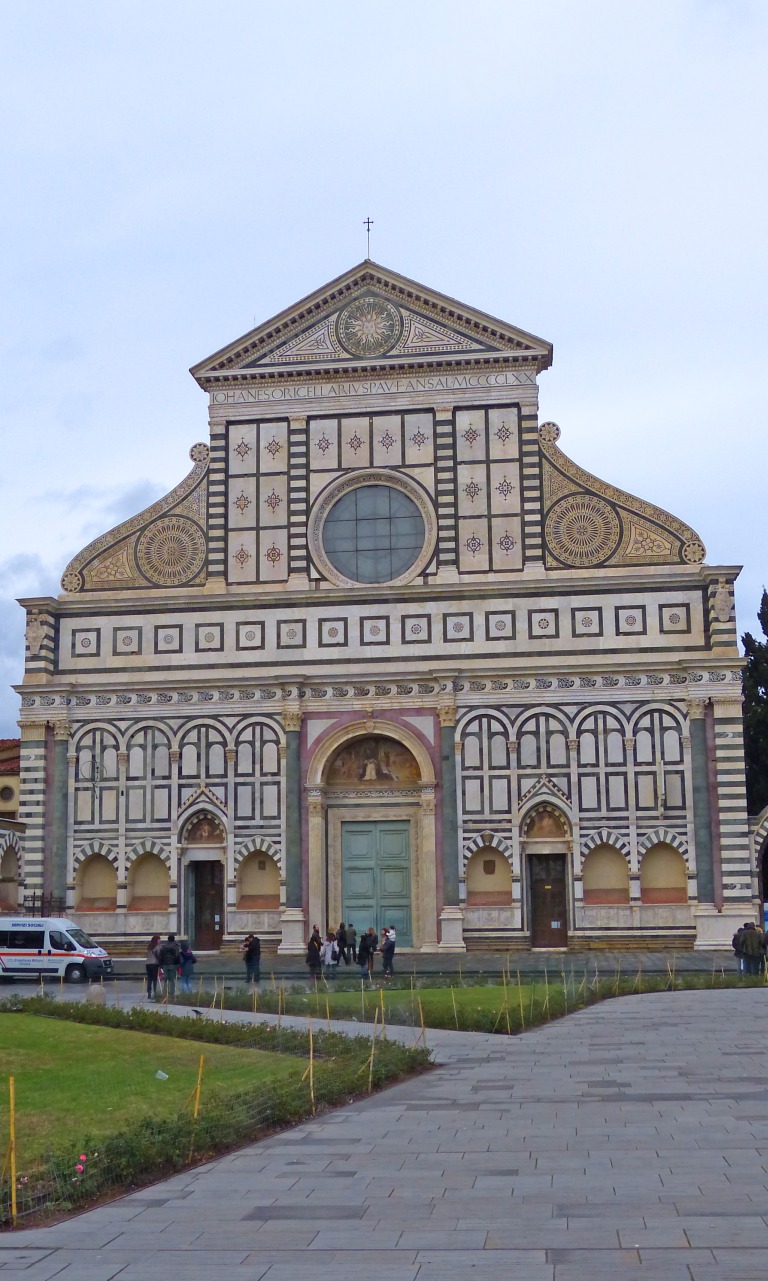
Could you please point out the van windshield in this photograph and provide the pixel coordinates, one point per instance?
(81, 938)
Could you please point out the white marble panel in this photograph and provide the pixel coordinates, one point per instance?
(273, 561)
(418, 432)
(273, 447)
(472, 489)
(503, 433)
(387, 440)
(242, 502)
(507, 540)
(355, 442)
(473, 544)
(273, 501)
(127, 640)
(323, 442)
(587, 622)
(242, 566)
(470, 435)
(242, 449)
(505, 487)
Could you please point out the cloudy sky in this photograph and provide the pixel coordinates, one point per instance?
(175, 171)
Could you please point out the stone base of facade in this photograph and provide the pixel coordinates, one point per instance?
(294, 940)
(452, 930)
(716, 929)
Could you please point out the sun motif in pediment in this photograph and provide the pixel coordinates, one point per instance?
(369, 326)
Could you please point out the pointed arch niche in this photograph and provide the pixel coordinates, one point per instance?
(372, 771)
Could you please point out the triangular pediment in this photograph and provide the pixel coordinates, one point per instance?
(371, 317)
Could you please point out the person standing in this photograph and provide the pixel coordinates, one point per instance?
(341, 940)
(330, 955)
(314, 948)
(388, 952)
(153, 965)
(251, 950)
(187, 963)
(168, 955)
(373, 947)
(362, 956)
(752, 947)
(350, 935)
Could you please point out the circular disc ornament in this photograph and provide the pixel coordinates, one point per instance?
(171, 551)
(582, 530)
(369, 326)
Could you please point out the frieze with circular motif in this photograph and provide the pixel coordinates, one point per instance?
(171, 551)
(369, 326)
(582, 530)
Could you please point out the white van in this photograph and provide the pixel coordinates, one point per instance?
(49, 946)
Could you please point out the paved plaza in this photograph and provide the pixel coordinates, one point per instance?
(628, 1140)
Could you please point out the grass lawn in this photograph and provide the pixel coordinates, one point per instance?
(402, 1005)
(74, 1081)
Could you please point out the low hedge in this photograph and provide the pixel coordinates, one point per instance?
(152, 1149)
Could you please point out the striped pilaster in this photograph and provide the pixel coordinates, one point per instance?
(298, 496)
(445, 456)
(32, 804)
(530, 461)
(732, 799)
(701, 806)
(40, 642)
(217, 502)
(721, 617)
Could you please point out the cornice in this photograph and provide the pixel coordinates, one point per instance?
(709, 679)
(200, 599)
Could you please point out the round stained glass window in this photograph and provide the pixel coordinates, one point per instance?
(373, 534)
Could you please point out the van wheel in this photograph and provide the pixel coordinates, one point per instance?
(75, 974)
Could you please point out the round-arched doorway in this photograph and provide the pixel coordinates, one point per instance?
(371, 812)
(546, 850)
(203, 863)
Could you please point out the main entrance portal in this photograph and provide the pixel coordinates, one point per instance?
(376, 876)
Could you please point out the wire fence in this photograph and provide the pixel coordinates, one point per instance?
(94, 1099)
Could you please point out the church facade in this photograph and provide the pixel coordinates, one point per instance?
(388, 656)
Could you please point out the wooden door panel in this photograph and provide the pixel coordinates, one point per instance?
(549, 924)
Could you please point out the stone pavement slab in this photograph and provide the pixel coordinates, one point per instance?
(630, 1139)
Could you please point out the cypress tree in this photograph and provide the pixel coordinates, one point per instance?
(756, 712)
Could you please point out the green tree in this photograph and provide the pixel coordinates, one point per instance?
(756, 712)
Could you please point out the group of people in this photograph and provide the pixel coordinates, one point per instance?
(168, 960)
(749, 947)
(323, 955)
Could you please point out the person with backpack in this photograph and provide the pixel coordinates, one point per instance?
(168, 956)
(753, 948)
(330, 956)
(187, 963)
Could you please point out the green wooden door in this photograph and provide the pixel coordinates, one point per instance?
(376, 877)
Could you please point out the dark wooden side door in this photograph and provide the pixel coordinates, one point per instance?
(549, 919)
(208, 905)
